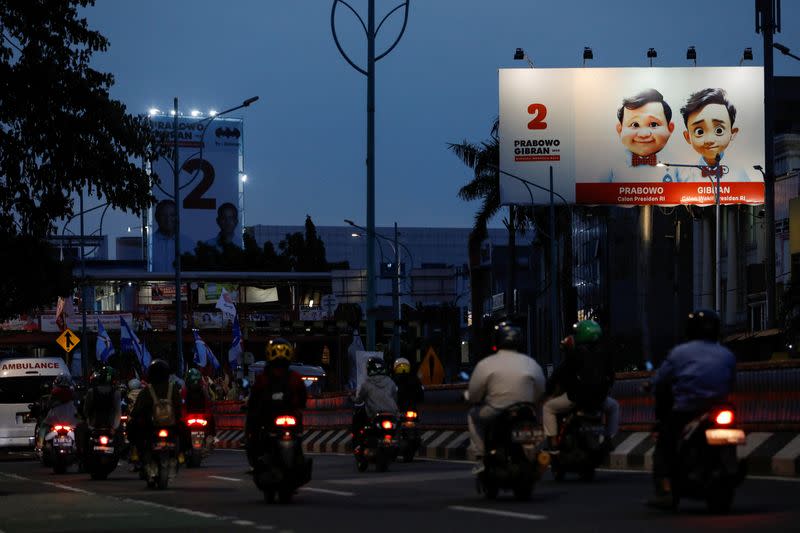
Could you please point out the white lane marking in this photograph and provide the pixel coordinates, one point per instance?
(243, 523)
(15, 476)
(328, 491)
(775, 478)
(403, 478)
(498, 512)
(67, 487)
(182, 510)
(223, 478)
(264, 528)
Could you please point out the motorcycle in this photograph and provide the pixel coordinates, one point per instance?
(202, 441)
(408, 440)
(377, 443)
(513, 459)
(161, 464)
(59, 447)
(281, 467)
(708, 468)
(582, 444)
(102, 455)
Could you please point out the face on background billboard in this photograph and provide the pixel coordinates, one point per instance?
(604, 132)
(209, 188)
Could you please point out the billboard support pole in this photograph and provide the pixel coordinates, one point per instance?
(553, 275)
(177, 191)
(717, 264)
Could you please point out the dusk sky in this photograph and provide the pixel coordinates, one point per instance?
(305, 137)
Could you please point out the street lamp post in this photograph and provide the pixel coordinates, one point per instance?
(371, 32)
(176, 170)
(714, 174)
(395, 244)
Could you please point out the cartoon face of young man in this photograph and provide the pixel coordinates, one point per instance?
(709, 118)
(645, 123)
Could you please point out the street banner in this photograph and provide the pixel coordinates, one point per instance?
(110, 321)
(103, 347)
(632, 136)
(226, 305)
(128, 341)
(202, 353)
(237, 346)
(209, 180)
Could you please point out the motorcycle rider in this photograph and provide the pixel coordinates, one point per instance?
(102, 405)
(277, 390)
(584, 377)
(197, 401)
(378, 394)
(141, 423)
(57, 407)
(695, 376)
(499, 381)
(409, 389)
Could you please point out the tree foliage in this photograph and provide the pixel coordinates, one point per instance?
(298, 252)
(60, 133)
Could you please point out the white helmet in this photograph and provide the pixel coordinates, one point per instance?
(134, 384)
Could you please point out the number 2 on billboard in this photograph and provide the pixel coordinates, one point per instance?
(539, 112)
(195, 200)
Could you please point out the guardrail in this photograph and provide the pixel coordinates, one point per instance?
(767, 399)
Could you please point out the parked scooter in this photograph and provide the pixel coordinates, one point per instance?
(376, 442)
(514, 459)
(281, 467)
(708, 468)
(582, 444)
(200, 437)
(408, 440)
(161, 462)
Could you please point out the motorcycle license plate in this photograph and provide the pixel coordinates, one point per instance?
(525, 434)
(163, 445)
(63, 441)
(724, 436)
(104, 449)
(197, 439)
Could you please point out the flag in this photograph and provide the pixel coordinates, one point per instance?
(128, 341)
(202, 353)
(237, 347)
(226, 305)
(64, 310)
(103, 348)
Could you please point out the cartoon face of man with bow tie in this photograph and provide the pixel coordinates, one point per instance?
(644, 126)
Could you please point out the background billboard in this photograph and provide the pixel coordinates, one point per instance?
(605, 130)
(210, 208)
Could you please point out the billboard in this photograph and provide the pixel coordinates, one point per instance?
(607, 133)
(209, 156)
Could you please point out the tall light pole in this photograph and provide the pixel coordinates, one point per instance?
(176, 196)
(371, 32)
(767, 23)
(714, 174)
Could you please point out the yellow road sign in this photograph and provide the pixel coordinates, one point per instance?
(431, 371)
(68, 340)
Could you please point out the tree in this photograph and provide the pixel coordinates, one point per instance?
(60, 132)
(484, 160)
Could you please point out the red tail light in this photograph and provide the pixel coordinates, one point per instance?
(163, 433)
(724, 417)
(103, 440)
(124, 418)
(411, 414)
(387, 424)
(387, 438)
(285, 421)
(197, 422)
(62, 428)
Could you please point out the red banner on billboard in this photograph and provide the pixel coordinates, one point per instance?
(645, 193)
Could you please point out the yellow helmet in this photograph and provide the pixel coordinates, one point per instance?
(280, 349)
(402, 366)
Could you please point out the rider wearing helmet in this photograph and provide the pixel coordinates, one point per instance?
(377, 394)
(58, 406)
(141, 421)
(694, 377)
(277, 390)
(102, 404)
(584, 378)
(507, 377)
(409, 388)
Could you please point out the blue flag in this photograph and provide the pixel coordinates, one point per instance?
(237, 346)
(103, 349)
(128, 341)
(202, 353)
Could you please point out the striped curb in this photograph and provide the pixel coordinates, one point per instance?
(776, 454)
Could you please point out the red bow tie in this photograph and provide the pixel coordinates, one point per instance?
(709, 172)
(639, 160)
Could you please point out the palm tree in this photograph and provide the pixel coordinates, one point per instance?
(484, 159)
